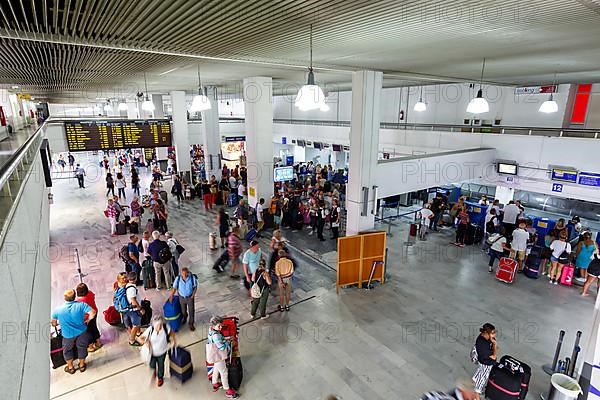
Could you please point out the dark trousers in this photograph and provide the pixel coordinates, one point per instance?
(260, 304)
(174, 266)
(179, 196)
(433, 222)
(109, 190)
(336, 231)
(461, 230)
(495, 255)
(508, 229)
(136, 190)
(320, 226)
(121, 192)
(80, 181)
(92, 330)
(76, 348)
(158, 362)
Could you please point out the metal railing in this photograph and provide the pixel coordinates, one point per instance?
(13, 175)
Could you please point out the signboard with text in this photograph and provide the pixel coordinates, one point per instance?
(589, 179)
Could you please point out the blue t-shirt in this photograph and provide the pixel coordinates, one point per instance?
(70, 316)
(185, 287)
(132, 248)
(252, 259)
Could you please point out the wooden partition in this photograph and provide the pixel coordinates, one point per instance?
(356, 255)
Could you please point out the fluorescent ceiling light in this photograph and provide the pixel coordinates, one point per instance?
(14, 87)
(478, 105)
(169, 71)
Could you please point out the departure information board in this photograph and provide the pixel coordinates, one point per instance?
(123, 134)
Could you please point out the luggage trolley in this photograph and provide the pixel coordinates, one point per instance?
(375, 264)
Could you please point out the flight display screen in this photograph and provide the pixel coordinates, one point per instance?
(111, 134)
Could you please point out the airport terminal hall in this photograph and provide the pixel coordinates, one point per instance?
(300, 200)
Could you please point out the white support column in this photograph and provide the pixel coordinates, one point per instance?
(132, 110)
(180, 133)
(364, 142)
(212, 136)
(258, 108)
(157, 100)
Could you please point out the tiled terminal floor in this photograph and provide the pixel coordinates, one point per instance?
(411, 335)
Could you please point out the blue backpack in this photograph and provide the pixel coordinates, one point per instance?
(120, 300)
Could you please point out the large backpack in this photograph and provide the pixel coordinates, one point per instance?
(124, 253)
(120, 300)
(164, 255)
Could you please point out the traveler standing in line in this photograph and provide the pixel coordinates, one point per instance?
(276, 240)
(135, 264)
(80, 174)
(593, 274)
(518, 245)
(177, 189)
(218, 351)
(88, 297)
(110, 184)
(224, 187)
(159, 337)
(241, 189)
(262, 278)
(185, 286)
(509, 219)
(146, 239)
(111, 213)
(250, 262)
(484, 354)
(72, 318)
(483, 201)
(136, 209)
(121, 185)
(321, 215)
(260, 216)
(132, 318)
(214, 189)
(561, 251)
(427, 216)
(234, 249)
(242, 217)
(546, 253)
(172, 242)
(156, 251)
(284, 270)
(497, 242)
(61, 162)
(335, 219)
(223, 224)
(559, 228)
(583, 253)
(461, 228)
(160, 216)
(436, 210)
(206, 195)
(71, 160)
(135, 181)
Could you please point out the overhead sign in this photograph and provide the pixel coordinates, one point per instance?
(536, 89)
(23, 96)
(589, 179)
(110, 135)
(235, 138)
(565, 175)
(283, 140)
(557, 187)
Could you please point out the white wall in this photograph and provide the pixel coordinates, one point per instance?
(25, 293)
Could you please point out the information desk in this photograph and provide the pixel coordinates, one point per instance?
(117, 134)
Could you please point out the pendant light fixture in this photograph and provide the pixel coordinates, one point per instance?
(311, 96)
(147, 105)
(200, 102)
(479, 104)
(122, 105)
(550, 106)
(107, 106)
(420, 106)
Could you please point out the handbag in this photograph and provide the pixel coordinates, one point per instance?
(563, 258)
(255, 290)
(214, 355)
(179, 248)
(106, 213)
(146, 350)
(474, 357)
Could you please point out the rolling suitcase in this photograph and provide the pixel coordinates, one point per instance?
(134, 228)
(470, 235)
(147, 316)
(221, 262)
(413, 230)
(121, 228)
(148, 274)
(180, 364)
(235, 372)
(172, 313)
(56, 349)
(509, 380)
(250, 235)
(566, 276)
(532, 266)
(230, 329)
(212, 240)
(506, 270)
(232, 200)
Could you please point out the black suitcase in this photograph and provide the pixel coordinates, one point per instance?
(180, 364)
(121, 228)
(148, 275)
(221, 262)
(56, 350)
(532, 266)
(235, 372)
(134, 228)
(478, 234)
(147, 316)
(509, 380)
(470, 235)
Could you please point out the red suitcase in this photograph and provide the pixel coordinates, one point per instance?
(506, 270)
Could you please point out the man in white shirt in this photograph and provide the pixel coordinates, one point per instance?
(259, 216)
(232, 183)
(241, 189)
(511, 213)
(426, 215)
(518, 245)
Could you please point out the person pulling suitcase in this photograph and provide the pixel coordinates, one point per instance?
(484, 354)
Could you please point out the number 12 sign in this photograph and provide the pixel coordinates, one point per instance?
(557, 187)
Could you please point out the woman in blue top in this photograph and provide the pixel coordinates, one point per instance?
(583, 252)
(218, 349)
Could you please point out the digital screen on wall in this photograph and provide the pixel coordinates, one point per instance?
(111, 135)
(337, 147)
(318, 145)
(283, 174)
(301, 143)
(507, 169)
(564, 175)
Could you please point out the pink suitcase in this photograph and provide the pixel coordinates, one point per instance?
(566, 277)
(506, 270)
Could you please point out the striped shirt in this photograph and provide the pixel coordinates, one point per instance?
(111, 211)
